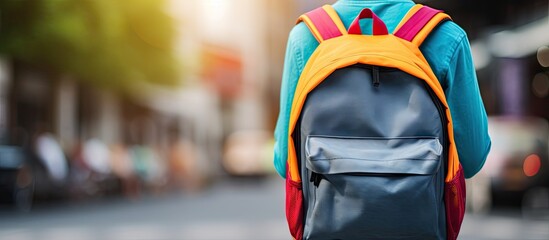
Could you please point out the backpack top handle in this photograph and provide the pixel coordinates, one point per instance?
(379, 27)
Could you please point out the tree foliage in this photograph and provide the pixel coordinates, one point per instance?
(112, 43)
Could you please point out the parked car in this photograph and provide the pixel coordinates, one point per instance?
(31, 169)
(516, 171)
(16, 178)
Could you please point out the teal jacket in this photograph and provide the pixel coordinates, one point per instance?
(448, 52)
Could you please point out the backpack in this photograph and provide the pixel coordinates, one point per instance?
(371, 152)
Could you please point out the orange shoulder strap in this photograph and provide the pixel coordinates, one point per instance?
(419, 22)
(324, 23)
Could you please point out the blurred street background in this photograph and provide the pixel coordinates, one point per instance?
(153, 119)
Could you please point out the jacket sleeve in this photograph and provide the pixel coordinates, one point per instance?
(293, 63)
(468, 113)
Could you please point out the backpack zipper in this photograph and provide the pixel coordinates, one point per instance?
(316, 178)
(354, 55)
(444, 120)
(375, 76)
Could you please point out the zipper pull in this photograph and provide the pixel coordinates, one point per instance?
(316, 178)
(375, 76)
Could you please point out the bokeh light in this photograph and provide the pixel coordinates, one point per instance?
(540, 85)
(543, 56)
(532, 164)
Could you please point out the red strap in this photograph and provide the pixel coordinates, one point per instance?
(324, 24)
(379, 27)
(413, 26)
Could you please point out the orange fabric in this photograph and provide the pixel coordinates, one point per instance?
(314, 30)
(335, 17)
(384, 50)
(293, 169)
(434, 22)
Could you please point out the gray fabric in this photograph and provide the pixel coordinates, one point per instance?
(365, 193)
(333, 155)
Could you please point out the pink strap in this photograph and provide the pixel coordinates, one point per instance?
(413, 26)
(324, 24)
(379, 27)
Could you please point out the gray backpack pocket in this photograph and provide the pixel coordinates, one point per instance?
(373, 188)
